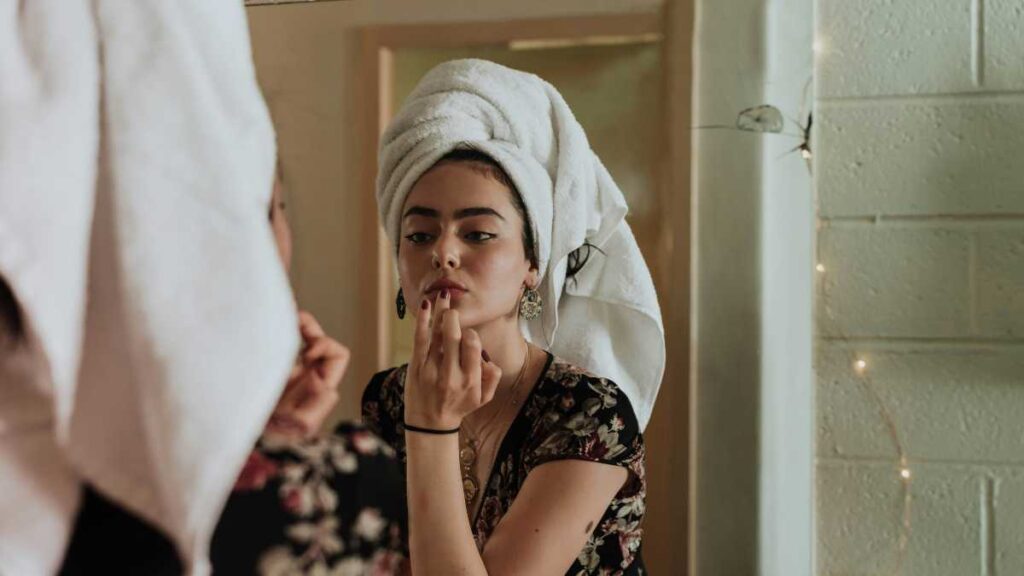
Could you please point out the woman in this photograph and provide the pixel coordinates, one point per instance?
(518, 459)
(303, 503)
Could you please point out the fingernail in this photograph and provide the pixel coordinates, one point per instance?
(486, 356)
(445, 294)
(425, 304)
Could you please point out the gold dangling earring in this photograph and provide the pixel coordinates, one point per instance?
(400, 304)
(531, 304)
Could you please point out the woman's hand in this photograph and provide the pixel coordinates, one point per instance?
(448, 376)
(312, 388)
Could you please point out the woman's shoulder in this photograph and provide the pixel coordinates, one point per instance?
(586, 391)
(394, 376)
(580, 415)
(571, 393)
(381, 405)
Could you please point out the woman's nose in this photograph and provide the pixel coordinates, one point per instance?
(445, 254)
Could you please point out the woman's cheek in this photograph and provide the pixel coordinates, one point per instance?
(499, 271)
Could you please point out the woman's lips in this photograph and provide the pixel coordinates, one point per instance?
(444, 283)
(435, 293)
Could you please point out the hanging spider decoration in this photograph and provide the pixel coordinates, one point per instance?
(805, 143)
(767, 119)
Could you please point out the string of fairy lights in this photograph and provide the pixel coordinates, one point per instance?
(861, 368)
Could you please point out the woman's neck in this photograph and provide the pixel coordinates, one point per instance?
(506, 347)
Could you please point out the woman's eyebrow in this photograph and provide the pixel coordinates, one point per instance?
(481, 211)
(459, 214)
(421, 211)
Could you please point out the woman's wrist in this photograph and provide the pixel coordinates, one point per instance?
(431, 421)
(434, 431)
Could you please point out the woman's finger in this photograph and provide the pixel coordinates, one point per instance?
(309, 327)
(451, 335)
(471, 356)
(323, 348)
(316, 351)
(335, 364)
(442, 304)
(421, 337)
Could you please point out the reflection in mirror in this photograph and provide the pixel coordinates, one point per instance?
(611, 71)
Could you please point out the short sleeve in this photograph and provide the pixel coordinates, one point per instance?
(587, 418)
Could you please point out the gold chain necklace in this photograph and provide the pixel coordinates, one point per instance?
(470, 451)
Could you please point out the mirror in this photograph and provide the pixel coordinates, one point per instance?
(828, 198)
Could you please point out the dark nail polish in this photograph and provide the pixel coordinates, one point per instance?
(445, 294)
(425, 304)
(486, 356)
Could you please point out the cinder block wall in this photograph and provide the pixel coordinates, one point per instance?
(919, 166)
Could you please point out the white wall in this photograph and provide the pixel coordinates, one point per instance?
(921, 233)
(754, 267)
(787, 280)
(726, 308)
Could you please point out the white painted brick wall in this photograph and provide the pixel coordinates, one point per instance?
(883, 281)
(1009, 529)
(999, 276)
(860, 509)
(1004, 46)
(951, 402)
(921, 157)
(919, 167)
(883, 47)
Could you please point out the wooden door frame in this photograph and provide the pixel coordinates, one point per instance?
(675, 24)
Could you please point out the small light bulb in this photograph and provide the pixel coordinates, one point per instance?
(905, 473)
(820, 268)
(860, 366)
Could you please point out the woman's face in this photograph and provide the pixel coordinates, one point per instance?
(460, 231)
(279, 224)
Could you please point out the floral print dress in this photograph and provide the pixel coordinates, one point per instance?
(330, 506)
(569, 414)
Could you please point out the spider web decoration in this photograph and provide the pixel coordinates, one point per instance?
(764, 118)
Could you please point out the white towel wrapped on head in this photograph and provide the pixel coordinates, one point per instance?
(136, 162)
(607, 318)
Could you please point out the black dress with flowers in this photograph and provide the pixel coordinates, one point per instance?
(331, 505)
(569, 415)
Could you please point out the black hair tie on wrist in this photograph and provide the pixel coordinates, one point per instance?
(412, 428)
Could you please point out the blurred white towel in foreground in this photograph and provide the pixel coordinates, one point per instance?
(136, 161)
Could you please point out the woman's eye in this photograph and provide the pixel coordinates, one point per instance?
(479, 236)
(417, 237)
